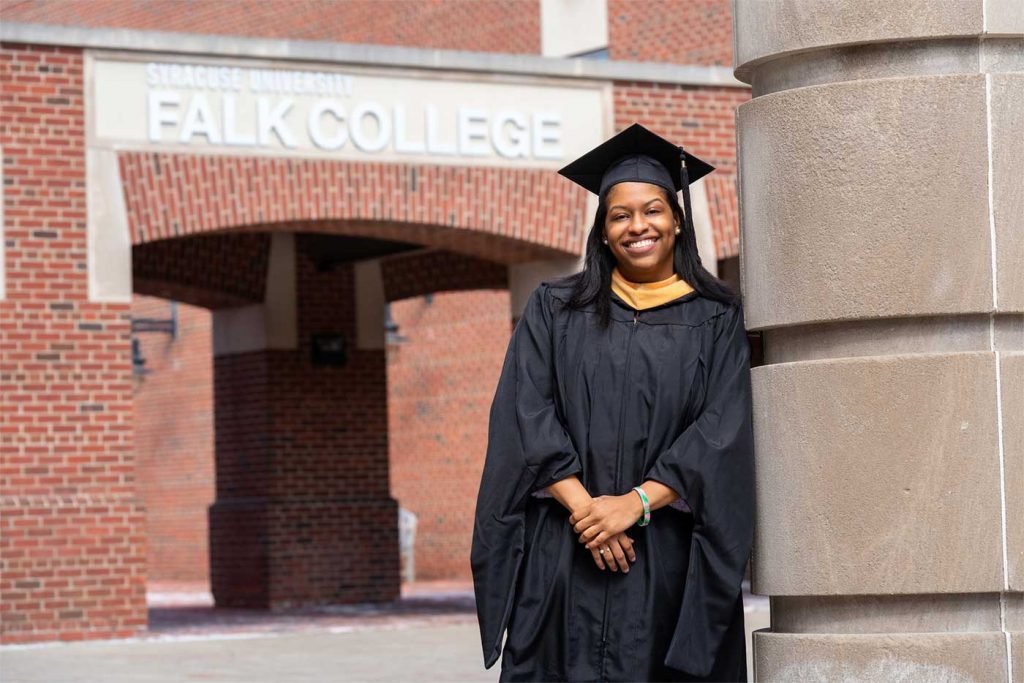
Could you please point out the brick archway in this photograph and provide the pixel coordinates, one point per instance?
(275, 416)
(505, 215)
(227, 270)
(204, 230)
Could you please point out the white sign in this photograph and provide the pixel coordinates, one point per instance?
(343, 114)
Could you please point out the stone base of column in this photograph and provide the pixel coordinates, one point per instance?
(881, 657)
(923, 637)
(275, 554)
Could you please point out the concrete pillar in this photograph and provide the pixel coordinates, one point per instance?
(882, 213)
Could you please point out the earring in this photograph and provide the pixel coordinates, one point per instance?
(677, 231)
(605, 240)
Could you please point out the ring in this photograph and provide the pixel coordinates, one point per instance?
(602, 550)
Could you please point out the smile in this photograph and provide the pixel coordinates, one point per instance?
(640, 246)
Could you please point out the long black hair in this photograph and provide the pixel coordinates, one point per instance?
(593, 282)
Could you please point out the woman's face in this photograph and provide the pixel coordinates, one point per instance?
(640, 230)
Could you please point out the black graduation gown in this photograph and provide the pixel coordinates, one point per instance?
(662, 394)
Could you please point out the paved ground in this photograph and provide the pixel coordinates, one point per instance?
(430, 634)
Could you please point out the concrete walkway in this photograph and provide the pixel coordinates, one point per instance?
(394, 653)
(430, 634)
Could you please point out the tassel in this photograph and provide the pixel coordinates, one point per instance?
(686, 190)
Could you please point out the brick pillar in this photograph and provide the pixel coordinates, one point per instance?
(303, 514)
(882, 216)
(72, 540)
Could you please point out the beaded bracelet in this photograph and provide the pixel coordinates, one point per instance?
(646, 519)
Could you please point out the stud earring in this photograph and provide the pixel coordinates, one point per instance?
(605, 241)
(677, 231)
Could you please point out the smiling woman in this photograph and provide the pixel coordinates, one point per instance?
(641, 230)
(615, 512)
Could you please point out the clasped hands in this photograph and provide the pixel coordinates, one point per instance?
(601, 522)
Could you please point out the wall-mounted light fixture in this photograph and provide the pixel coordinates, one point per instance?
(391, 328)
(162, 325)
(328, 348)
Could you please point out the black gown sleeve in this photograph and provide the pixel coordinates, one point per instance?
(528, 449)
(710, 465)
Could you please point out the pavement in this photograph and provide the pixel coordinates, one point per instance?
(429, 634)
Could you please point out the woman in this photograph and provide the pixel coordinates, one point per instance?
(614, 517)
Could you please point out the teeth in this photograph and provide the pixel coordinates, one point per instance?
(641, 243)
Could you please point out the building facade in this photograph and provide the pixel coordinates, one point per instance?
(281, 174)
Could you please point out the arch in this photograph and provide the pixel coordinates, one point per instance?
(229, 269)
(211, 271)
(502, 214)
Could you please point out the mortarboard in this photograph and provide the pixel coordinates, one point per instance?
(636, 154)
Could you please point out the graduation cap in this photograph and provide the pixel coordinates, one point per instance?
(638, 155)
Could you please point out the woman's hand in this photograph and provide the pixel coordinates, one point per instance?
(619, 554)
(604, 517)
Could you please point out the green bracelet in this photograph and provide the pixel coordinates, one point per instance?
(646, 518)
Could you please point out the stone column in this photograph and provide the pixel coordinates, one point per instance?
(882, 208)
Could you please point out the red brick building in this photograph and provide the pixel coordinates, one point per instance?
(232, 195)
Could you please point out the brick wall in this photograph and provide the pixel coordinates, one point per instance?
(673, 31)
(174, 440)
(440, 384)
(72, 541)
(479, 25)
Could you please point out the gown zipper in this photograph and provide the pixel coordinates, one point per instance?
(618, 466)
